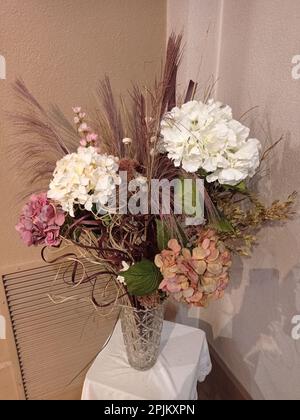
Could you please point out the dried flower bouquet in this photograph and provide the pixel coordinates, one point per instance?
(90, 174)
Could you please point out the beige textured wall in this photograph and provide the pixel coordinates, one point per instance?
(199, 20)
(61, 48)
(251, 328)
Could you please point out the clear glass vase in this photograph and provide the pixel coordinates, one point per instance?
(142, 334)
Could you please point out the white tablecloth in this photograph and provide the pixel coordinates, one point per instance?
(184, 360)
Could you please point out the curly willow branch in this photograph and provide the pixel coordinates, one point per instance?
(74, 262)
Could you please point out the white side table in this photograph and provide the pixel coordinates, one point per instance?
(184, 360)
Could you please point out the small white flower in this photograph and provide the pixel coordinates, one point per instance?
(139, 182)
(121, 280)
(142, 180)
(126, 267)
(127, 141)
(205, 136)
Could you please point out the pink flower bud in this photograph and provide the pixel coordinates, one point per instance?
(83, 128)
(92, 137)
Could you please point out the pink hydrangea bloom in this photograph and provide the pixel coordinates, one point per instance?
(198, 275)
(40, 222)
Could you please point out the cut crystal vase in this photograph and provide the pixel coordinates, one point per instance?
(142, 330)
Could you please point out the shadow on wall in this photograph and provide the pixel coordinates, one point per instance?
(268, 349)
(261, 347)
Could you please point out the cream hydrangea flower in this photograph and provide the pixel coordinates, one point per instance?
(85, 178)
(205, 136)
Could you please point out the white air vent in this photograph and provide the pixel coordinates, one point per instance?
(56, 342)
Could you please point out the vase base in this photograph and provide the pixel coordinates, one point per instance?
(144, 367)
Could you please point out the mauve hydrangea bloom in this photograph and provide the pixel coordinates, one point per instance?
(40, 222)
(195, 277)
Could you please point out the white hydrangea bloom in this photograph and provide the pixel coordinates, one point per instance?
(85, 178)
(205, 136)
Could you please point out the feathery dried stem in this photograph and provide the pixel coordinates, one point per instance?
(38, 143)
(109, 120)
(138, 126)
(173, 59)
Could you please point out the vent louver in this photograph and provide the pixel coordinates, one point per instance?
(56, 342)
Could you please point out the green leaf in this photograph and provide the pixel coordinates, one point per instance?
(224, 226)
(143, 278)
(202, 173)
(163, 234)
(241, 187)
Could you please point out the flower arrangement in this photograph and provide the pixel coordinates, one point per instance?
(93, 172)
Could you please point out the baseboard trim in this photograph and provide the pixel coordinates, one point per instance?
(221, 384)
